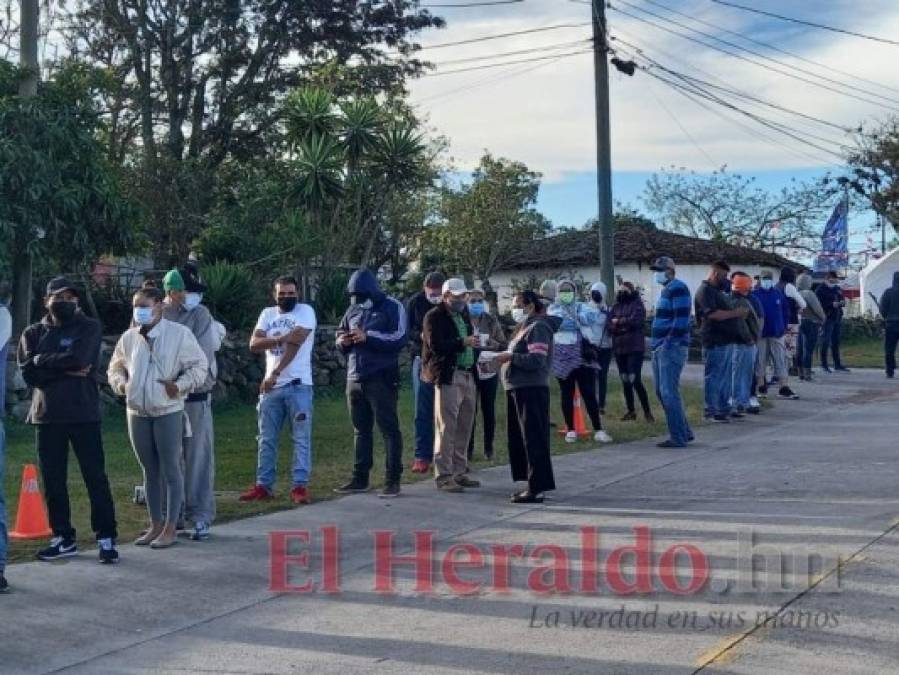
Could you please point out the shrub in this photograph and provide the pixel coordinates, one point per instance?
(233, 294)
(330, 296)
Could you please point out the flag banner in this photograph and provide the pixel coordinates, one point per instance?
(834, 254)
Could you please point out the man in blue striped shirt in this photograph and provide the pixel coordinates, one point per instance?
(670, 341)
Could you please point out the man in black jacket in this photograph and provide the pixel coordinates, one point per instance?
(889, 310)
(58, 357)
(448, 361)
(831, 297)
(423, 392)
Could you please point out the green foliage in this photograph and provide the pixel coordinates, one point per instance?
(233, 294)
(330, 296)
(874, 165)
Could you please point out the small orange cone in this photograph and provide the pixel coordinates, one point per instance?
(579, 426)
(31, 518)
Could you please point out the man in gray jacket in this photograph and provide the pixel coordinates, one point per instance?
(184, 292)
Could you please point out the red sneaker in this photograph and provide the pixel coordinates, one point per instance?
(300, 495)
(421, 466)
(257, 493)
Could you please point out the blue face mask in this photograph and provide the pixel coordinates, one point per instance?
(143, 316)
(660, 277)
(767, 284)
(476, 308)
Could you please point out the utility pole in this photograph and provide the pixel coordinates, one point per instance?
(22, 262)
(603, 146)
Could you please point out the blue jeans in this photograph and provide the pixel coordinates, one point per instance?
(423, 393)
(831, 341)
(719, 379)
(667, 363)
(293, 402)
(808, 338)
(744, 372)
(3, 532)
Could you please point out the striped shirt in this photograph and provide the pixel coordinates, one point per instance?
(672, 317)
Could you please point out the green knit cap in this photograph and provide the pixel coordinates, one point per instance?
(173, 281)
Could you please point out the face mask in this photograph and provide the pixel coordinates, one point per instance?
(287, 304)
(519, 314)
(767, 284)
(623, 296)
(62, 310)
(596, 296)
(434, 299)
(566, 297)
(476, 308)
(143, 316)
(457, 305)
(192, 300)
(660, 277)
(362, 301)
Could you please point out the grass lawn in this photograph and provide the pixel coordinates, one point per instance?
(235, 430)
(862, 353)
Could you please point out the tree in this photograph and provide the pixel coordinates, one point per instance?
(483, 224)
(874, 166)
(730, 207)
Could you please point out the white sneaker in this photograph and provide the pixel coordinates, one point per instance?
(754, 402)
(571, 437)
(602, 437)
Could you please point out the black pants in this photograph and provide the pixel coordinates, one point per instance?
(487, 404)
(53, 454)
(375, 400)
(602, 377)
(527, 423)
(831, 341)
(891, 339)
(630, 367)
(585, 380)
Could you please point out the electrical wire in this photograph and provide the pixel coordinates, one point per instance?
(683, 129)
(506, 63)
(486, 3)
(500, 36)
(558, 45)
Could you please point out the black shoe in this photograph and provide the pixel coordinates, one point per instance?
(108, 554)
(753, 410)
(352, 487)
(526, 497)
(721, 418)
(787, 393)
(629, 416)
(763, 392)
(691, 438)
(488, 455)
(59, 548)
(391, 490)
(826, 369)
(669, 444)
(842, 369)
(4, 585)
(890, 376)
(737, 415)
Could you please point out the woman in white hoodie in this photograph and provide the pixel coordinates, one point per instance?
(155, 365)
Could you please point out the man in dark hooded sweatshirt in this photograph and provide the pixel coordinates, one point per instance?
(889, 310)
(372, 333)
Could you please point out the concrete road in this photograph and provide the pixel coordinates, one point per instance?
(770, 545)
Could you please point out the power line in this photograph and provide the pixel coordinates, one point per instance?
(506, 63)
(745, 58)
(558, 45)
(499, 36)
(488, 3)
(804, 22)
(772, 47)
(686, 133)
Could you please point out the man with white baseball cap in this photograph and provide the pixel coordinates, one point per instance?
(448, 361)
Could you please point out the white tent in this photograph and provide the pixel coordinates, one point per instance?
(876, 278)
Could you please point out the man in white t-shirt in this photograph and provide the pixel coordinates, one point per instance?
(286, 333)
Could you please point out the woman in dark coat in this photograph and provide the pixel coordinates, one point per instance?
(627, 323)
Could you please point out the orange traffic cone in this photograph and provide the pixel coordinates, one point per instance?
(31, 518)
(579, 426)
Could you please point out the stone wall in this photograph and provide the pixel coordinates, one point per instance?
(240, 371)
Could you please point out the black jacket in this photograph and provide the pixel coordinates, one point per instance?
(442, 345)
(47, 353)
(418, 306)
(889, 303)
(829, 295)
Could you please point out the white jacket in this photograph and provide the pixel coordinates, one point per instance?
(170, 352)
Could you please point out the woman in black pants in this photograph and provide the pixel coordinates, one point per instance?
(627, 321)
(525, 377)
(493, 339)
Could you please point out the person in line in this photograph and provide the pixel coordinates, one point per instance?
(574, 360)
(795, 304)
(599, 336)
(548, 292)
(422, 392)
(745, 350)
(526, 367)
(670, 341)
(771, 344)
(448, 361)
(58, 358)
(5, 335)
(889, 310)
(492, 338)
(285, 332)
(720, 325)
(755, 406)
(813, 318)
(627, 322)
(155, 365)
(372, 333)
(183, 298)
(831, 297)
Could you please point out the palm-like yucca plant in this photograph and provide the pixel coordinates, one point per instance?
(399, 153)
(319, 165)
(361, 121)
(309, 113)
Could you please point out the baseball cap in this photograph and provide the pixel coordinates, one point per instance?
(455, 287)
(435, 280)
(662, 264)
(58, 284)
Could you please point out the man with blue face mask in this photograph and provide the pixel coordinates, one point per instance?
(491, 337)
(771, 344)
(183, 297)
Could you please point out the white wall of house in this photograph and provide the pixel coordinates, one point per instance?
(640, 275)
(876, 278)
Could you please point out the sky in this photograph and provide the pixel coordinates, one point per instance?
(542, 112)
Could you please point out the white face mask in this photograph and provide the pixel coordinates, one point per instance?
(367, 304)
(661, 277)
(767, 284)
(143, 316)
(434, 299)
(519, 314)
(192, 300)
